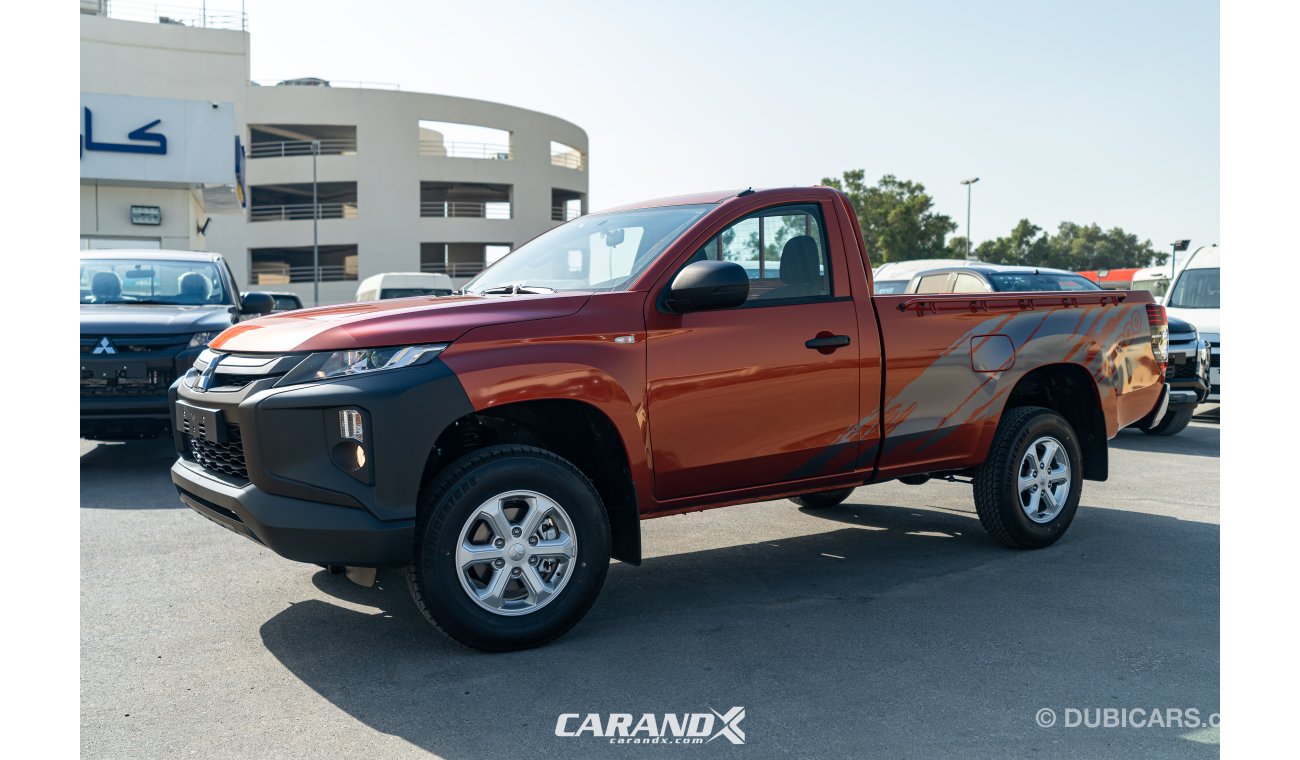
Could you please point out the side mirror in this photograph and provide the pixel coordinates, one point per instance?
(707, 285)
(257, 303)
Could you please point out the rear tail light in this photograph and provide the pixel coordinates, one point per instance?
(1159, 333)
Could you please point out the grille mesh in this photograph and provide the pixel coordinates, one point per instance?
(1185, 370)
(223, 458)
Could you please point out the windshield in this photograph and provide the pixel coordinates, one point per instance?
(1196, 289)
(889, 287)
(146, 281)
(602, 252)
(1016, 282)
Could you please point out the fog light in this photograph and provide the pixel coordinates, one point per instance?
(350, 457)
(350, 427)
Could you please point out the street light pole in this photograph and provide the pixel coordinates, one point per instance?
(315, 219)
(968, 183)
(1175, 247)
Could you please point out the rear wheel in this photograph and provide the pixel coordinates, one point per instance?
(823, 499)
(1027, 491)
(1173, 423)
(511, 548)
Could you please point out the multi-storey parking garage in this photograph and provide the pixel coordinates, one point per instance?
(398, 188)
(362, 178)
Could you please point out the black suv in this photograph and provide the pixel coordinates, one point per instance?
(1187, 375)
(145, 316)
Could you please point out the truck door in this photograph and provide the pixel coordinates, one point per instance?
(766, 392)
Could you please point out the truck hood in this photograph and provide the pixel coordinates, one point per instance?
(395, 322)
(156, 319)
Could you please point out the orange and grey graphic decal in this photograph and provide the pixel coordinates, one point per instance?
(949, 394)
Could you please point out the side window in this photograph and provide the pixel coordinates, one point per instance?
(934, 283)
(782, 249)
(969, 283)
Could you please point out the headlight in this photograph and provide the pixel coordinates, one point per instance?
(330, 365)
(202, 339)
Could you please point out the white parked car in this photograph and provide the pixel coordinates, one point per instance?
(892, 278)
(1194, 297)
(404, 285)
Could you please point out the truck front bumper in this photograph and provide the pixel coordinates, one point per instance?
(263, 460)
(305, 531)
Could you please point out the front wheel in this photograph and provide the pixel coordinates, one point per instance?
(1027, 490)
(511, 548)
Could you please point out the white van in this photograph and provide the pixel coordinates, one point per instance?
(1154, 280)
(1194, 297)
(403, 285)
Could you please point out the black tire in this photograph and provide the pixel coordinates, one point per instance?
(823, 499)
(452, 498)
(1173, 423)
(997, 499)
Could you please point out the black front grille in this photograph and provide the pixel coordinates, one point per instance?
(1185, 370)
(132, 344)
(1214, 360)
(222, 458)
(154, 383)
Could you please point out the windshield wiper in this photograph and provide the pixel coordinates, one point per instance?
(516, 289)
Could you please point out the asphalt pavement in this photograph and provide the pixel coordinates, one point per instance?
(890, 626)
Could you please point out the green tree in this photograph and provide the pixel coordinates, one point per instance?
(1027, 245)
(897, 217)
(1074, 247)
(1085, 247)
(955, 248)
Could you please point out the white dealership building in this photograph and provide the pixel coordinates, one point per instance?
(179, 149)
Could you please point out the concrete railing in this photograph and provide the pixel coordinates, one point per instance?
(568, 160)
(191, 14)
(286, 275)
(490, 151)
(341, 146)
(298, 211)
(465, 209)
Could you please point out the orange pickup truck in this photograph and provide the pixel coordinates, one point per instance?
(502, 444)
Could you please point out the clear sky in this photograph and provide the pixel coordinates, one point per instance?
(1097, 111)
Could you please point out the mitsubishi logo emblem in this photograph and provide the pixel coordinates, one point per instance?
(205, 377)
(105, 347)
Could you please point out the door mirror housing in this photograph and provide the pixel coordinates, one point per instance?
(256, 303)
(707, 285)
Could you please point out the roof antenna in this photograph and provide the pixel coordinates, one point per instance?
(746, 191)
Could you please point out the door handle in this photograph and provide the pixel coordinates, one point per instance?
(831, 342)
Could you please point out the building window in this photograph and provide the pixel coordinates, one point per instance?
(464, 200)
(567, 156)
(281, 266)
(337, 200)
(445, 139)
(566, 204)
(281, 140)
(460, 259)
